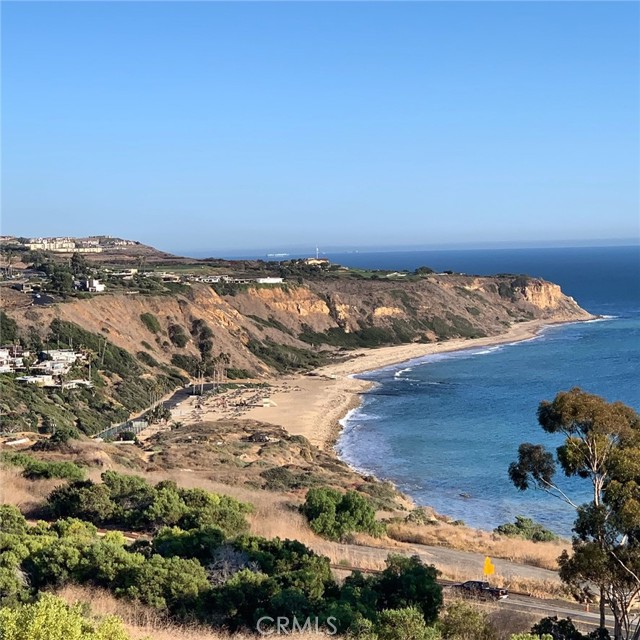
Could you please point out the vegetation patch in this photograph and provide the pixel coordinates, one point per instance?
(151, 322)
(131, 502)
(526, 528)
(178, 336)
(334, 515)
(271, 323)
(147, 359)
(283, 357)
(35, 469)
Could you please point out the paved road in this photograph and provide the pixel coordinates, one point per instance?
(450, 561)
(471, 562)
(543, 608)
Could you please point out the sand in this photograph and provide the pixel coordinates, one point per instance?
(313, 405)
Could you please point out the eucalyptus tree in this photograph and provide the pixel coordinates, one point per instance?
(602, 446)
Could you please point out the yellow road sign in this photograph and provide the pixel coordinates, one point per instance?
(489, 569)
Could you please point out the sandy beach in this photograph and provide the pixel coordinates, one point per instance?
(312, 405)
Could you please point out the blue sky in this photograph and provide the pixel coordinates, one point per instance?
(227, 126)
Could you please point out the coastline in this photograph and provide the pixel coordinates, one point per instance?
(315, 405)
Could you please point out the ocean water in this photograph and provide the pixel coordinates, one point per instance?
(446, 427)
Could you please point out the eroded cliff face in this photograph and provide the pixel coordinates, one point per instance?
(319, 315)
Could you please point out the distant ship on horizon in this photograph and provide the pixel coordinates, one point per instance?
(277, 255)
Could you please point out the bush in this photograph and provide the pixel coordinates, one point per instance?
(333, 515)
(147, 359)
(82, 499)
(237, 374)
(404, 624)
(283, 357)
(130, 501)
(11, 520)
(463, 621)
(177, 336)
(282, 479)
(36, 469)
(558, 629)
(527, 529)
(50, 618)
(151, 322)
(190, 364)
(8, 329)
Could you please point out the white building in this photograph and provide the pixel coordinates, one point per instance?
(269, 280)
(39, 381)
(52, 367)
(94, 285)
(68, 356)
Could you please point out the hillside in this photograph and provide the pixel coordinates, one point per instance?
(159, 341)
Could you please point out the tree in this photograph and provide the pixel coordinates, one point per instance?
(81, 499)
(602, 445)
(556, 629)
(79, 265)
(61, 280)
(407, 582)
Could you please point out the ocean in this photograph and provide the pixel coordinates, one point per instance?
(445, 428)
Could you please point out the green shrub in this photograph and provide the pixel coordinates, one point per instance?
(284, 357)
(178, 336)
(560, 629)
(463, 621)
(404, 624)
(334, 515)
(50, 618)
(237, 374)
(130, 501)
(190, 364)
(151, 322)
(11, 520)
(147, 359)
(36, 469)
(8, 329)
(282, 479)
(526, 528)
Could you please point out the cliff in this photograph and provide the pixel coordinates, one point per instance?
(267, 328)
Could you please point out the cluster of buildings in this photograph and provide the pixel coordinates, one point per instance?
(44, 369)
(90, 284)
(234, 280)
(91, 244)
(168, 276)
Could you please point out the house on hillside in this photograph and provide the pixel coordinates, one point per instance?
(93, 285)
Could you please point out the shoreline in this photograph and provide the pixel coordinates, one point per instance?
(315, 405)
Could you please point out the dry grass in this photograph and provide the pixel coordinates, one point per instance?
(537, 554)
(507, 622)
(25, 494)
(144, 623)
(504, 621)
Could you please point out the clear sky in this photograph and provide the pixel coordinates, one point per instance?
(225, 126)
